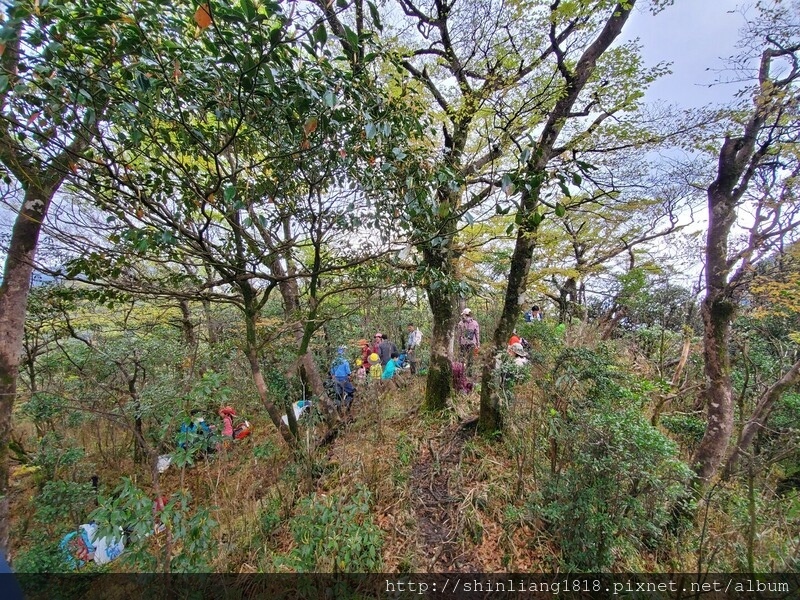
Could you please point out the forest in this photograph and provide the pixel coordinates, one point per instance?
(211, 209)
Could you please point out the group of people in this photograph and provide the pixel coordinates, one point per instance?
(378, 361)
(381, 359)
(468, 335)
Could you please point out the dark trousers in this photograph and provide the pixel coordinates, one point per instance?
(411, 356)
(344, 391)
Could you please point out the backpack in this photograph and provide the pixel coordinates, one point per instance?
(469, 335)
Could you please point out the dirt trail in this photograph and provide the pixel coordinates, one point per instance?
(437, 504)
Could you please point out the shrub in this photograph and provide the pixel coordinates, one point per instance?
(613, 477)
(336, 535)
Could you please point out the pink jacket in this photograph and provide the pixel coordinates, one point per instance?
(469, 333)
(227, 426)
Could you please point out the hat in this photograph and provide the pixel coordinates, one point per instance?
(379, 334)
(359, 362)
(227, 410)
(362, 342)
(341, 349)
(517, 349)
(374, 359)
(466, 311)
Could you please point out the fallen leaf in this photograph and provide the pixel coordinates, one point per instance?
(139, 213)
(33, 117)
(2, 49)
(342, 153)
(202, 16)
(305, 144)
(176, 72)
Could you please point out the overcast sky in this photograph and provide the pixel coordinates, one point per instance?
(695, 36)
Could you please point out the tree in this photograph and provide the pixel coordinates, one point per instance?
(573, 74)
(775, 301)
(54, 81)
(244, 159)
(757, 165)
(495, 75)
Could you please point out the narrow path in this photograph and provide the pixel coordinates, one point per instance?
(437, 504)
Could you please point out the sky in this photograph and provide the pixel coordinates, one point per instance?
(695, 36)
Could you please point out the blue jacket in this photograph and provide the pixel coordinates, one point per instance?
(389, 369)
(340, 368)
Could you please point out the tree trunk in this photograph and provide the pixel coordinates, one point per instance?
(439, 384)
(717, 312)
(687, 346)
(491, 417)
(760, 415)
(251, 351)
(187, 327)
(211, 326)
(309, 372)
(13, 304)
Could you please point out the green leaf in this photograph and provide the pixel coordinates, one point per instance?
(560, 209)
(507, 185)
(371, 130)
(229, 193)
(249, 9)
(576, 179)
(142, 82)
(329, 98)
(321, 34)
(3, 83)
(376, 18)
(352, 37)
(276, 35)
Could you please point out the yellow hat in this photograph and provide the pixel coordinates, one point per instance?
(374, 359)
(358, 362)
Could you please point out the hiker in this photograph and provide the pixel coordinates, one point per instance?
(469, 339)
(196, 433)
(365, 350)
(361, 372)
(391, 366)
(533, 314)
(412, 346)
(227, 413)
(375, 369)
(82, 545)
(340, 371)
(386, 350)
(238, 432)
(514, 339)
(376, 344)
(510, 366)
(518, 355)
